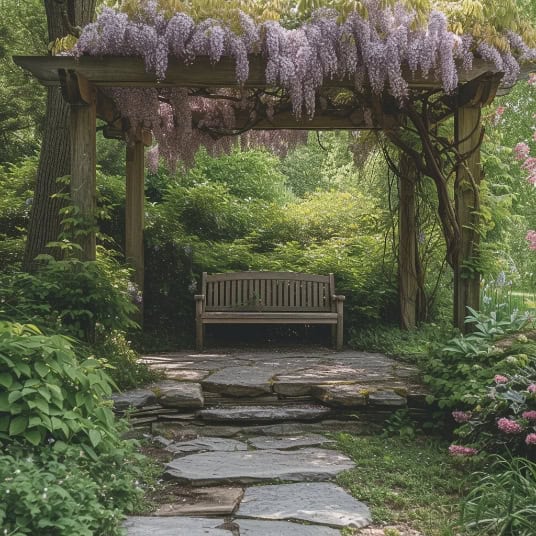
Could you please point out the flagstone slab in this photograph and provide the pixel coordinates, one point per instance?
(211, 468)
(174, 526)
(322, 503)
(206, 444)
(386, 398)
(255, 527)
(136, 398)
(186, 375)
(307, 412)
(241, 381)
(173, 394)
(213, 501)
(341, 395)
(288, 442)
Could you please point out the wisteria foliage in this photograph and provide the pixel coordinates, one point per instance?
(374, 51)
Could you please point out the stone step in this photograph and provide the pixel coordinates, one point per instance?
(321, 503)
(216, 468)
(264, 413)
(197, 526)
(215, 501)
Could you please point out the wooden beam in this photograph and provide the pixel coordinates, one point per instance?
(83, 173)
(130, 72)
(135, 207)
(468, 131)
(408, 287)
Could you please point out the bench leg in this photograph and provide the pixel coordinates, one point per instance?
(338, 341)
(334, 335)
(199, 334)
(340, 324)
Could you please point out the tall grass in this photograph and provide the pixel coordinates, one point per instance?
(503, 503)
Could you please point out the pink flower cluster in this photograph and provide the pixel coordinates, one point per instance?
(529, 415)
(521, 151)
(530, 439)
(458, 450)
(509, 426)
(532, 388)
(532, 79)
(461, 416)
(531, 239)
(499, 378)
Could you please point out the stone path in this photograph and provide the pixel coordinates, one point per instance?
(245, 431)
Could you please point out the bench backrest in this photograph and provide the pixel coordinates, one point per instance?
(267, 291)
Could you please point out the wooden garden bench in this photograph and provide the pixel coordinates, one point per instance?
(268, 298)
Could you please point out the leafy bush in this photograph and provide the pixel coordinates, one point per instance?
(504, 500)
(60, 445)
(122, 361)
(66, 295)
(49, 395)
(61, 494)
(459, 372)
(504, 419)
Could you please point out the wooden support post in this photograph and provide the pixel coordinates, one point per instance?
(408, 287)
(135, 208)
(468, 132)
(83, 171)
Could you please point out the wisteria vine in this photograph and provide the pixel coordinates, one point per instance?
(376, 52)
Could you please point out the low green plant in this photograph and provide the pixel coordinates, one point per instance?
(504, 419)
(122, 361)
(48, 395)
(460, 371)
(400, 424)
(68, 294)
(408, 344)
(503, 502)
(64, 493)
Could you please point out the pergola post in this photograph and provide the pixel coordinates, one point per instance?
(135, 206)
(83, 169)
(408, 287)
(468, 132)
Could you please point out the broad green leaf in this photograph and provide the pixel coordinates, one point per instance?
(6, 379)
(95, 437)
(41, 369)
(4, 423)
(18, 425)
(33, 436)
(14, 396)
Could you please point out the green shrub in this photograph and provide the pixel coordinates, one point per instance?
(47, 394)
(64, 468)
(67, 295)
(61, 494)
(459, 372)
(504, 419)
(122, 361)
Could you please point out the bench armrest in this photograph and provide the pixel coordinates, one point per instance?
(338, 297)
(199, 297)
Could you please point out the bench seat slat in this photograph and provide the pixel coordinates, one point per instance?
(269, 318)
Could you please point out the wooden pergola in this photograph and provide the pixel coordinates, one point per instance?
(81, 82)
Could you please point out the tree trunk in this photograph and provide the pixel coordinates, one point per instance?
(55, 156)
